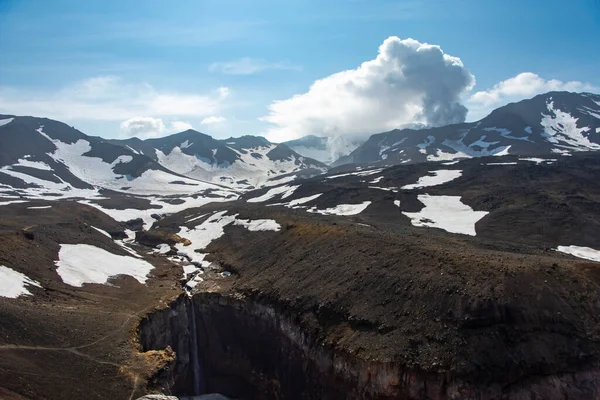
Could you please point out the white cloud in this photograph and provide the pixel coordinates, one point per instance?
(213, 120)
(148, 127)
(522, 86)
(109, 98)
(143, 127)
(180, 126)
(408, 82)
(249, 66)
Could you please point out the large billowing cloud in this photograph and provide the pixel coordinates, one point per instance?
(408, 82)
(522, 86)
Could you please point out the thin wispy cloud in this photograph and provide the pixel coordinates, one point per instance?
(110, 98)
(213, 120)
(249, 66)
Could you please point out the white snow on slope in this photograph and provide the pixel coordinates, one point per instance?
(297, 203)
(397, 203)
(447, 213)
(213, 228)
(7, 202)
(389, 189)
(285, 191)
(501, 163)
(22, 162)
(6, 121)
(506, 133)
(39, 208)
(303, 200)
(482, 143)
(258, 224)
(82, 263)
(342, 209)
(538, 160)
(96, 172)
(359, 173)
(103, 232)
(440, 176)
(428, 142)
(42, 187)
(441, 155)
(561, 152)
(561, 128)
(463, 150)
(581, 252)
(257, 171)
(13, 284)
(166, 208)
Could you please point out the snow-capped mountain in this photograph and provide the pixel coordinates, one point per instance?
(40, 156)
(43, 157)
(555, 122)
(324, 149)
(241, 163)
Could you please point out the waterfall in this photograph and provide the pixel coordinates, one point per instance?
(194, 354)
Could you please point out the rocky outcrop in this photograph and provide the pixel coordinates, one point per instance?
(250, 350)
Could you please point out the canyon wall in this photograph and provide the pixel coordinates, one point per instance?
(246, 349)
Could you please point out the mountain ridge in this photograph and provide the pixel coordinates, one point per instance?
(553, 122)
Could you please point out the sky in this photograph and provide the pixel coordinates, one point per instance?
(285, 69)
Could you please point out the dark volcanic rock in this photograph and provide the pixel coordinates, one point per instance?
(135, 224)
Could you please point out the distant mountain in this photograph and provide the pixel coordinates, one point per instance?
(324, 149)
(46, 156)
(551, 123)
(242, 163)
(40, 155)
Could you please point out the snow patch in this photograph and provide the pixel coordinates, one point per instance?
(6, 121)
(39, 208)
(82, 263)
(447, 213)
(303, 200)
(561, 127)
(32, 164)
(258, 224)
(7, 202)
(581, 252)
(103, 232)
(440, 177)
(284, 191)
(538, 160)
(14, 284)
(359, 173)
(342, 209)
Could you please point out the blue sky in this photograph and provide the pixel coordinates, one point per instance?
(151, 67)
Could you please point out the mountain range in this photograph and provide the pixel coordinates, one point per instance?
(40, 155)
(47, 154)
